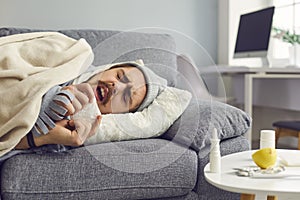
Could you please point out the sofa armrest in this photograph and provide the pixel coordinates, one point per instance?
(189, 78)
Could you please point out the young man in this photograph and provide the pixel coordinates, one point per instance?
(119, 88)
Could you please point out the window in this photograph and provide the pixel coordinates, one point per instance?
(287, 14)
(286, 17)
(297, 17)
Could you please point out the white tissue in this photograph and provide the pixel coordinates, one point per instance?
(88, 113)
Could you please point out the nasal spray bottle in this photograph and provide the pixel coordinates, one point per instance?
(215, 155)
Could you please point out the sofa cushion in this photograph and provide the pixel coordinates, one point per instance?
(194, 127)
(158, 51)
(138, 169)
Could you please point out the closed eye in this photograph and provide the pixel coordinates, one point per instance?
(119, 75)
(122, 76)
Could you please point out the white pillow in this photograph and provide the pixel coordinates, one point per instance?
(151, 122)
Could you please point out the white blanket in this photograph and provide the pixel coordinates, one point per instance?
(30, 65)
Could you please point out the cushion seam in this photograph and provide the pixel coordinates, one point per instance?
(102, 189)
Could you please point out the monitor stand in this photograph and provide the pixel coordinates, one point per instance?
(266, 62)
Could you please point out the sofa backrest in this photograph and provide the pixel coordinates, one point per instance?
(158, 51)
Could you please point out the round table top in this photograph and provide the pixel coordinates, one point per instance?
(229, 181)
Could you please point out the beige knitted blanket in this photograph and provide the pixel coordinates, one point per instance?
(30, 65)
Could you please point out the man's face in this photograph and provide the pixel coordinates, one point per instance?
(119, 89)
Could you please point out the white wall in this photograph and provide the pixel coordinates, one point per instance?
(229, 15)
(196, 19)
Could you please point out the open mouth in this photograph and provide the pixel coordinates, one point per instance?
(101, 93)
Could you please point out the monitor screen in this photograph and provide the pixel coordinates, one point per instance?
(254, 34)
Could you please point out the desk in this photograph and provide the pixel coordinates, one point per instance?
(263, 73)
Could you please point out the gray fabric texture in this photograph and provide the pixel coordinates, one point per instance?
(95, 173)
(195, 125)
(158, 51)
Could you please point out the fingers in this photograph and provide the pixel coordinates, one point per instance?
(70, 100)
(87, 90)
(75, 139)
(81, 131)
(86, 129)
(71, 123)
(62, 123)
(83, 94)
(95, 126)
(73, 132)
(69, 107)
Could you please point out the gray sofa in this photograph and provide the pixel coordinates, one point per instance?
(167, 167)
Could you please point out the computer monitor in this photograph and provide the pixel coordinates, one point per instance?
(254, 34)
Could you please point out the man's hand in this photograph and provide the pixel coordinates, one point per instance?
(83, 94)
(71, 133)
(69, 104)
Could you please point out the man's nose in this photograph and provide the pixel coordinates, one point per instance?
(121, 86)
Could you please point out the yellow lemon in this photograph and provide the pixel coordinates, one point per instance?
(265, 158)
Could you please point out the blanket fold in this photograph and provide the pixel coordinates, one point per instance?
(30, 65)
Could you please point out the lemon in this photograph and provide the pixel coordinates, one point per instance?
(265, 158)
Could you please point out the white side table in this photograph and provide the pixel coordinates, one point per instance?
(287, 188)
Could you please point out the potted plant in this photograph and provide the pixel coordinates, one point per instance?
(291, 38)
(286, 36)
